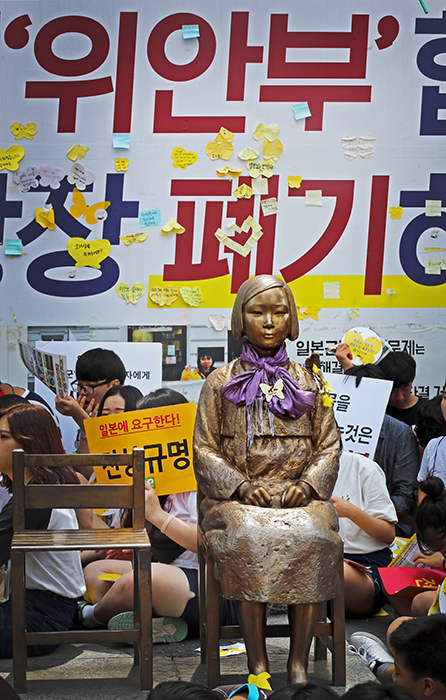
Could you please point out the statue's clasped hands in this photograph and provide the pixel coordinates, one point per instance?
(293, 497)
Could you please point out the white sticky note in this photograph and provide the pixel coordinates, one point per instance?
(269, 206)
(313, 198)
(433, 207)
(433, 266)
(391, 292)
(260, 186)
(332, 290)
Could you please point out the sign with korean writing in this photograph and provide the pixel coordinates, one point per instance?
(359, 410)
(115, 124)
(166, 435)
(142, 364)
(409, 581)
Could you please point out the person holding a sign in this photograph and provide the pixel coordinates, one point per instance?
(266, 455)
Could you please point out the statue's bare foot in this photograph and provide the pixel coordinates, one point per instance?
(297, 674)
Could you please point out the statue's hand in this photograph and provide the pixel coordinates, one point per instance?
(254, 495)
(296, 496)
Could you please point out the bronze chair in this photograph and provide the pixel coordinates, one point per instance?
(329, 633)
(77, 496)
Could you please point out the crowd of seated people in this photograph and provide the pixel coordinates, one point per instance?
(373, 499)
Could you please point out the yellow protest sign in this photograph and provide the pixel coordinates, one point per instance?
(166, 435)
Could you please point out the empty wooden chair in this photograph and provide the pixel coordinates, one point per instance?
(77, 496)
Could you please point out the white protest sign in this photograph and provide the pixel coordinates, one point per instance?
(359, 411)
(142, 362)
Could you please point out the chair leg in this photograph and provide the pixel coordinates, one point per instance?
(320, 649)
(18, 606)
(338, 622)
(202, 602)
(145, 611)
(212, 626)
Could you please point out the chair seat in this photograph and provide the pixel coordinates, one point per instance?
(63, 540)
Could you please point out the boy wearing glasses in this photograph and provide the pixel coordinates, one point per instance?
(97, 370)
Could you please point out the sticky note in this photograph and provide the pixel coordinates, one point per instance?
(164, 295)
(224, 135)
(191, 31)
(45, 217)
(130, 294)
(13, 246)
(433, 207)
(243, 192)
(88, 253)
(266, 132)
(77, 151)
(301, 110)
(121, 164)
(28, 131)
(217, 321)
(272, 149)
(243, 250)
(229, 170)
(259, 186)
(434, 266)
(354, 313)
(248, 153)
(181, 158)
(269, 206)
(221, 149)
(121, 140)
(332, 290)
(172, 225)
(294, 181)
(265, 169)
(313, 198)
(396, 212)
(193, 296)
(134, 238)
(150, 217)
(9, 159)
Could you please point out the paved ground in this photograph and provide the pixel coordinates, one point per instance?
(105, 672)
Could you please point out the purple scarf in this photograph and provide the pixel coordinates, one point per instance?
(245, 388)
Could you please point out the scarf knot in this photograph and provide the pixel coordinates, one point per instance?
(267, 379)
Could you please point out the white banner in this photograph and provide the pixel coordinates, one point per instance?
(114, 164)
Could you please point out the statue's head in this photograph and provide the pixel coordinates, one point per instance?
(264, 301)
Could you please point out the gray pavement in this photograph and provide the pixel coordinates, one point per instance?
(106, 671)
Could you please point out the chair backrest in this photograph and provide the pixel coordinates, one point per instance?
(78, 496)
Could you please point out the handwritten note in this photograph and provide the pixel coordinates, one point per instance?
(134, 238)
(228, 170)
(9, 160)
(121, 164)
(221, 149)
(121, 140)
(248, 153)
(164, 296)
(181, 158)
(80, 176)
(269, 206)
(243, 192)
(130, 294)
(88, 253)
(434, 266)
(266, 169)
(192, 296)
(150, 217)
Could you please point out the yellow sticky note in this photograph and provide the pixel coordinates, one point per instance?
(181, 158)
(223, 150)
(248, 153)
(88, 253)
(228, 170)
(294, 181)
(92, 214)
(28, 131)
(433, 207)
(266, 169)
(354, 313)
(109, 577)
(260, 681)
(76, 152)
(224, 135)
(134, 237)
(396, 212)
(365, 349)
(9, 159)
(309, 312)
(243, 192)
(130, 294)
(260, 186)
(266, 132)
(272, 149)
(164, 295)
(313, 198)
(172, 225)
(121, 164)
(45, 218)
(193, 296)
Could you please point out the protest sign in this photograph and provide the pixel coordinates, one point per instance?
(166, 435)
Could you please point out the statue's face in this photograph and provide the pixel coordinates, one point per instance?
(266, 319)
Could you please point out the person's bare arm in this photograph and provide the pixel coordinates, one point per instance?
(344, 356)
(377, 528)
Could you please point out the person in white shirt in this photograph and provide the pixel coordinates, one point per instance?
(367, 526)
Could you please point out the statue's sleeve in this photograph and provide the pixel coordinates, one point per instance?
(322, 470)
(217, 478)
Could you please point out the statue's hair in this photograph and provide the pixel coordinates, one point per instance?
(256, 285)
